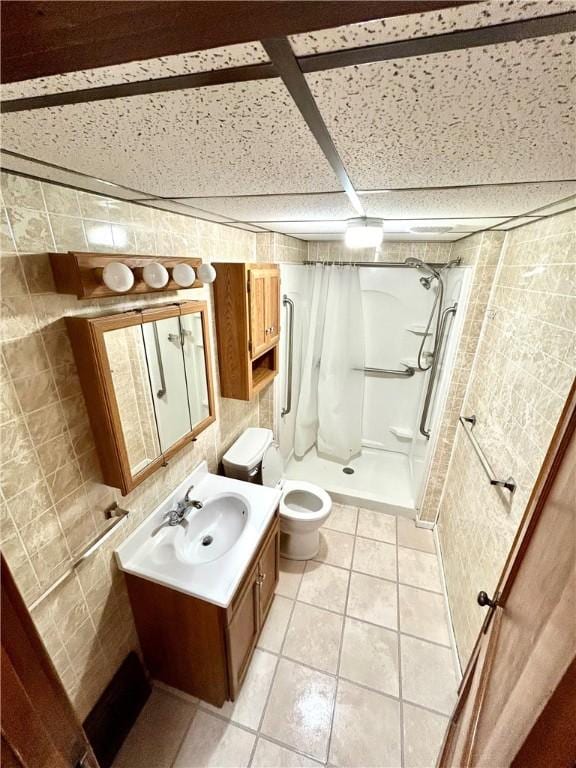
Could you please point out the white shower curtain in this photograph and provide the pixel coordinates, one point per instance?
(332, 391)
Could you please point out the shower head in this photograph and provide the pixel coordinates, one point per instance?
(412, 261)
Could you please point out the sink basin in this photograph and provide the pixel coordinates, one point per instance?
(207, 554)
(213, 530)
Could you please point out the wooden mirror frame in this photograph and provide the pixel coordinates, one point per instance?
(89, 347)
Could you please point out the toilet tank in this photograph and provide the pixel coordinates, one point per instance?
(243, 459)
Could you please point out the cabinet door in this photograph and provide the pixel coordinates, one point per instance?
(242, 634)
(273, 306)
(268, 567)
(257, 300)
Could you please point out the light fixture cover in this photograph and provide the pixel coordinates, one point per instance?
(155, 275)
(118, 277)
(364, 233)
(183, 275)
(206, 273)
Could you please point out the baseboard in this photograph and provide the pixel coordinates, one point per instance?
(453, 643)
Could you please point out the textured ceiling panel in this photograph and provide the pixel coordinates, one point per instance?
(422, 24)
(492, 201)
(149, 69)
(239, 138)
(433, 226)
(396, 237)
(279, 207)
(500, 113)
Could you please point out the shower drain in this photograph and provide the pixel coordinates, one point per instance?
(207, 540)
(348, 471)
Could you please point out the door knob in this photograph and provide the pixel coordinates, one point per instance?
(483, 600)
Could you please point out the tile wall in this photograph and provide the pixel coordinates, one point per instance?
(53, 499)
(524, 367)
(481, 252)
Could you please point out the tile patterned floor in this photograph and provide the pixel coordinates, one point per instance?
(353, 669)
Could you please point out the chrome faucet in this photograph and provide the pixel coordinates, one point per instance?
(176, 516)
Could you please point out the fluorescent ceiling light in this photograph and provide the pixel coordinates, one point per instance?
(363, 233)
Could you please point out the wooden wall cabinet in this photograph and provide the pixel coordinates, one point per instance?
(198, 647)
(247, 305)
(147, 381)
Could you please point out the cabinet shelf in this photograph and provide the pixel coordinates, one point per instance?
(247, 305)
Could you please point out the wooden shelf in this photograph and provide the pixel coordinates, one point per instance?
(79, 273)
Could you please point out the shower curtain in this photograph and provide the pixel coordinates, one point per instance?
(329, 411)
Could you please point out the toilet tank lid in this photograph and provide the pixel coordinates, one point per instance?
(249, 449)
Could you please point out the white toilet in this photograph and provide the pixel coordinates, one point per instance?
(304, 507)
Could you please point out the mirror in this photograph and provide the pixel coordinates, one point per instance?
(129, 370)
(147, 382)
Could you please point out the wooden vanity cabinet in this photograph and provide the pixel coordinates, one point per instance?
(247, 307)
(197, 646)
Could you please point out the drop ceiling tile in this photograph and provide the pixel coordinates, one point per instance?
(437, 226)
(238, 138)
(279, 207)
(414, 25)
(147, 69)
(66, 178)
(306, 227)
(176, 207)
(562, 205)
(518, 222)
(490, 201)
(482, 115)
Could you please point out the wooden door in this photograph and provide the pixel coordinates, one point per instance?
(528, 642)
(242, 633)
(273, 306)
(268, 569)
(39, 726)
(258, 282)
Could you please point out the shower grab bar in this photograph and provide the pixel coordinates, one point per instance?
(113, 512)
(290, 304)
(434, 370)
(469, 422)
(162, 391)
(407, 371)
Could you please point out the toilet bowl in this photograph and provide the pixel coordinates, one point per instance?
(304, 507)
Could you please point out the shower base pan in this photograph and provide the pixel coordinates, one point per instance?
(380, 479)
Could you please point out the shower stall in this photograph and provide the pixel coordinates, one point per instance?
(406, 332)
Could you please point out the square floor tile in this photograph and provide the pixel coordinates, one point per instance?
(423, 614)
(214, 743)
(144, 744)
(366, 730)
(373, 600)
(299, 711)
(314, 637)
(342, 518)
(370, 656)
(335, 548)
(423, 735)
(375, 558)
(428, 675)
(274, 629)
(376, 525)
(249, 705)
(270, 755)
(417, 538)
(290, 577)
(419, 569)
(325, 586)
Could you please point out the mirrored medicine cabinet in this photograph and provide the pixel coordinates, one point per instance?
(147, 381)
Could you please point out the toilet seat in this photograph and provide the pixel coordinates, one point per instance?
(304, 501)
(301, 501)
